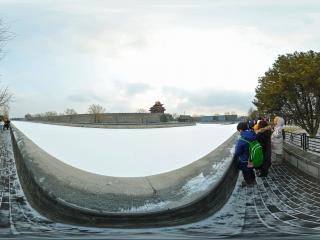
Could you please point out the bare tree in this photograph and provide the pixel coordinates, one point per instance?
(5, 95)
(70, 111)
(28, 117)
(253, 113)
(142, 110)
(49, 115)
(39, 115)
(96, 110)
(5, 111)
(175, 116)
(2, 37)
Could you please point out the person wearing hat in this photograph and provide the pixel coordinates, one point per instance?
(241, 154)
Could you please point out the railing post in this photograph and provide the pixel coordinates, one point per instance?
(304, 141)
(307, 142)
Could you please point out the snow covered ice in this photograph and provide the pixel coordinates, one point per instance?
(127, 152)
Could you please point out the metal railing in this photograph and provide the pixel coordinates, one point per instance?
(303, 141)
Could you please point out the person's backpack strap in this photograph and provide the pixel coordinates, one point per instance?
(241, 138)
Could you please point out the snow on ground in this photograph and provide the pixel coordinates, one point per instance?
(195, 186)
(127, 152)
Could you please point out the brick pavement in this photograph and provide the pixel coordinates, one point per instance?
(285, 204)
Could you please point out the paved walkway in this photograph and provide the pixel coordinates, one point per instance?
(285, 204)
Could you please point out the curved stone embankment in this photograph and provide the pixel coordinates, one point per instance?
(70, 195)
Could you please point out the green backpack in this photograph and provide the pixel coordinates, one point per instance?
(255, 152)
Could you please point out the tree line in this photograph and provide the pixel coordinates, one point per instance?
(93, 109)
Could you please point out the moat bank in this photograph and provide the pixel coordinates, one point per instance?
(67, 194)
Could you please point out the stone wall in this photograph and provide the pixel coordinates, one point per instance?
(109, 118)
(307, 162)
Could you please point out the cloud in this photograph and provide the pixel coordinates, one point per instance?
(132, 89)
(126, 56)
(84, 97)
(209, 101)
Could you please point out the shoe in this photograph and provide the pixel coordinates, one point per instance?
(251, 184)
(244, 184)
(263, 175)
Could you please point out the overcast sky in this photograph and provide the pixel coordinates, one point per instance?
(195, 56)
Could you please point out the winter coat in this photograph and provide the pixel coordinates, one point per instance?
(276, 137)
(264, 138)
(242, 147)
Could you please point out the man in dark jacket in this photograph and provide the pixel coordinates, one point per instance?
(264, 138)
(242, 153)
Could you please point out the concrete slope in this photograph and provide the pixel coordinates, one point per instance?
(66, 194)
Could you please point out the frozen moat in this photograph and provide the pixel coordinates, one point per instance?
(127, 152)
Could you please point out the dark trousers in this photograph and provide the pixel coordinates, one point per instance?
(264, 169)
(248, 173)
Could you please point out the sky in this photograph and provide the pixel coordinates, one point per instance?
(104, 155)
(197, 57)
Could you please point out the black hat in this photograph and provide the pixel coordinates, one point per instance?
(242, 126)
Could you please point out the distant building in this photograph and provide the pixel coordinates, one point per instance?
(196, 118)
(221, 118)
(218, 118)
(185, 118)
(157, 108)
(231, 118)
(207, 119)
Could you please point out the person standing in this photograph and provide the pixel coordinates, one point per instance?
(242, 153)
(277, 141)
(264, 138)
(6, 124)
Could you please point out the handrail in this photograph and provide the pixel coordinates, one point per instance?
(302, 140)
